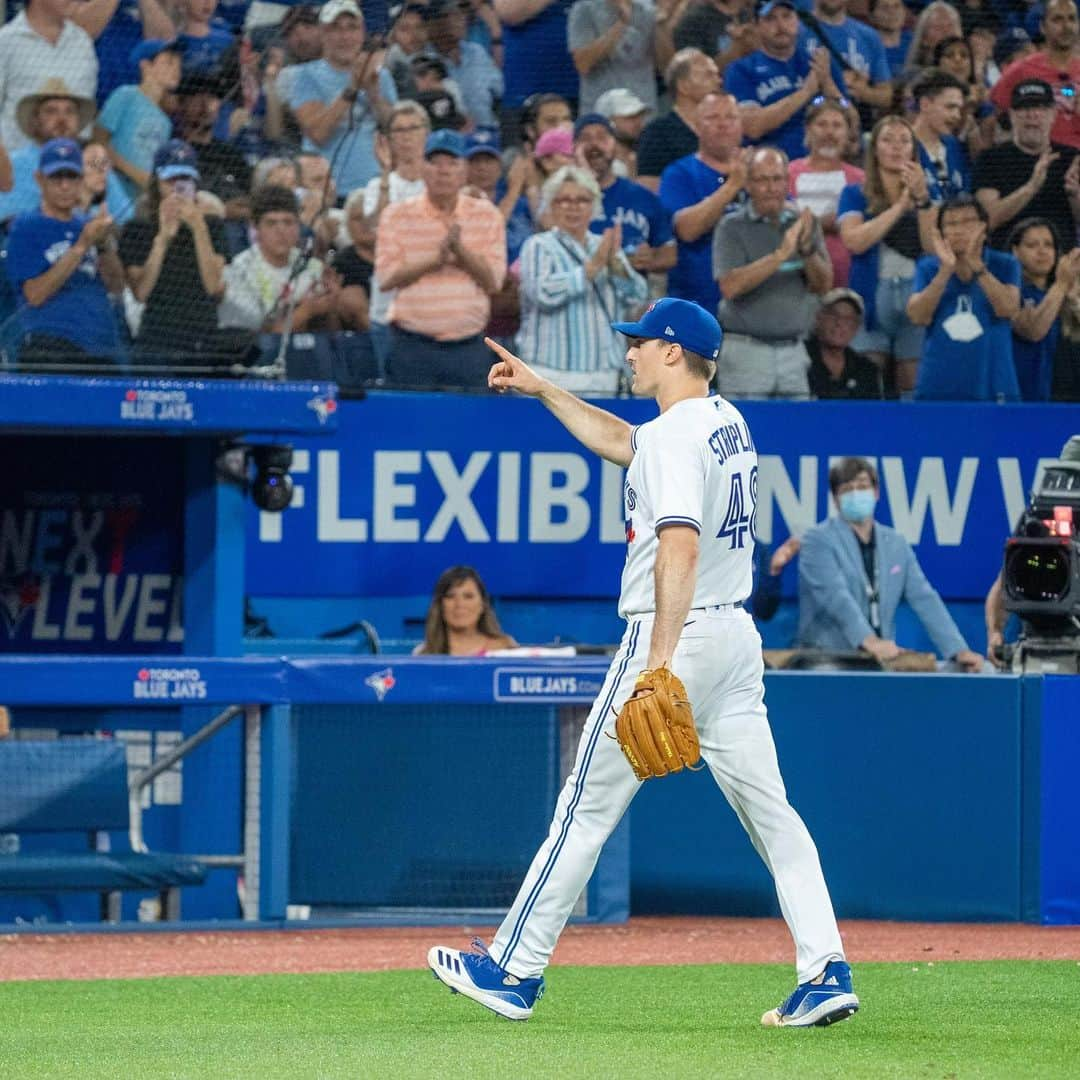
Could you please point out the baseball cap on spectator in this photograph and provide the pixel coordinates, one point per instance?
(445, 142)
(174, 159)
(439, 9)
(152, 48)
(442, 109)
(52, 88)
(555, 141)
(680, 321)
(336, 8)
(297, 15)
(202, 82)
(767, 7)
(620, 102)
(60, 155)
(589, 119)
(425, 65)
(1009, 43)
(483, 140)
(1032, 94)
(834, 296)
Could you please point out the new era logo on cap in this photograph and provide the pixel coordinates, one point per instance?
(669, 331)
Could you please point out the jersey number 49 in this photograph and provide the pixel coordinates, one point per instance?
(740, 520)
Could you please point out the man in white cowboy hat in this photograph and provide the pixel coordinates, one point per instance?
(53, 111)
(42, 41)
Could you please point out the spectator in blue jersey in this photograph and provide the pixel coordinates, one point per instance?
(966, 295)
(614, 44)
(689, 76)
(939, 111)
(888, 17)
(867, 78)
(1048, 278)
(646, 225)
(979, 126)
(698, 190)
(340, 99)
(485, 173)
(774, 84)
(63, 266)
(130, 23)
(133, 124)
(574, 285)
(535, 56)
(475, 74)
(203, 37)
(54, 112)
(886, 223)
(772, 266)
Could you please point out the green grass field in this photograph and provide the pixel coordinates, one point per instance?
(994, 1019)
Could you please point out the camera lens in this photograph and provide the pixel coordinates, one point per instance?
(1037, 574)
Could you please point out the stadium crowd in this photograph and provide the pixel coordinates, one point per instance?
(878, 199)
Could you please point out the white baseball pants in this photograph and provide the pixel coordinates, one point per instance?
(719, 661)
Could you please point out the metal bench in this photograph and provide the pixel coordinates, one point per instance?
(80, 785)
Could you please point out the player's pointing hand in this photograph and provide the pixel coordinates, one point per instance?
(510, 372)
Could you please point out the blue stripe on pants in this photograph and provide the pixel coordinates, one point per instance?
(530, 903)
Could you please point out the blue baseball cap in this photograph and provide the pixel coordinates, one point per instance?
(174, 159)
(680, 321)
(152, 48)
(484, 140)
(60, 155)
(445, 141)
(592, 118)
(767, 7)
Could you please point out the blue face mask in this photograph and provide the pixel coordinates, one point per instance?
(857, 505)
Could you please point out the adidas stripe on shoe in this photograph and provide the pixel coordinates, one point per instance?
(478, 977)
(818, 1003)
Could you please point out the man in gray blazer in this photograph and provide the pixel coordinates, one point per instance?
(854, 573)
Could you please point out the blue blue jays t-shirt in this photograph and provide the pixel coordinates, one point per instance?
(113, 47)
(857, 43)
(956, 175)
(79, 311)
(641, 214)
(203, 53)
(519, 226)
(536, 57)
(684, 183)
(1034, 360)
(758, 79)
(980, 369)
(896, 55)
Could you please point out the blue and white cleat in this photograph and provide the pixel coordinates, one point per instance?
(477, 976)
(821, 1002)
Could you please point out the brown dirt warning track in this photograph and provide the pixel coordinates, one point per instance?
(640, 941)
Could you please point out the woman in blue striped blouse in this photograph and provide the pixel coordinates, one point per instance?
(574, 285)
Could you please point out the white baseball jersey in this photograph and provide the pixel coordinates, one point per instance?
(695, 465)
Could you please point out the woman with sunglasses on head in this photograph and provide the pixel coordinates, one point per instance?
(817, 180)
(1048, 279)
(886, 224)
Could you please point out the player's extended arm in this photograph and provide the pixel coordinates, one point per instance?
(602, 432)
(674, 580)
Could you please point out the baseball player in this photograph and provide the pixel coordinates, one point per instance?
(690, 500)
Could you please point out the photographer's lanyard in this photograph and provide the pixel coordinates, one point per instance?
(872, 581)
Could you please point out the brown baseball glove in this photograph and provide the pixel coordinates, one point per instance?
(655, 727)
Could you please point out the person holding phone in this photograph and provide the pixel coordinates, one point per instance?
(174, 257)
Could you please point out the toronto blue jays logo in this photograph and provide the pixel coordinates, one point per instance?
(18, 596)
(322, 407)
(382, 682)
